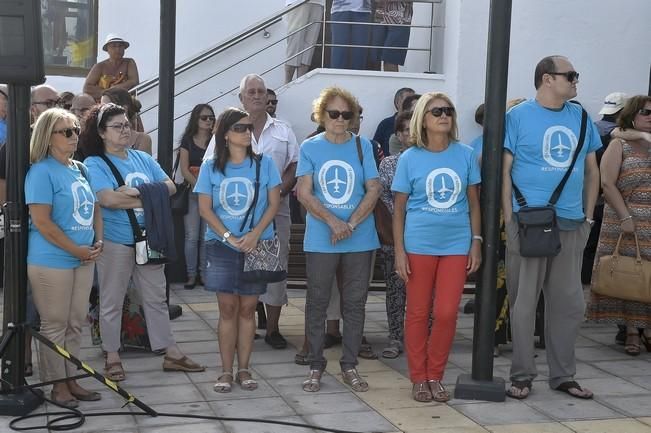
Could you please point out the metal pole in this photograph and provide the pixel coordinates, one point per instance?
(481, 385)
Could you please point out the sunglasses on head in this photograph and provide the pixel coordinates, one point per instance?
(644, 111)
(569, 75)
(67, 132)
(207, 117)
(439, 111)
(242, 127)
(272, 102)
(334, 114)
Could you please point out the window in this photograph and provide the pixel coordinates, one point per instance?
(69, 36)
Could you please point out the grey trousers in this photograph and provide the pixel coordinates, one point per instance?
(560, 280)
(321, 269)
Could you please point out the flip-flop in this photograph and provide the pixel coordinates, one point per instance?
(521, 385)
(566, 387)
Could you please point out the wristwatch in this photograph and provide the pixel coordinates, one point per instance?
(226, 236)
(590, 221)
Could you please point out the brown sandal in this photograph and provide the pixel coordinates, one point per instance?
(181, 364)
(421, 392)
(631, 348)
(114, 371)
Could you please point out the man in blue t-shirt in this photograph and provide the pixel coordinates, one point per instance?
(541, 136)
(386, 126)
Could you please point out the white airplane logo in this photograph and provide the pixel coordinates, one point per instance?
(236, 195)
(444, 189)
(560, 147)
(336, 182)
(86, 204)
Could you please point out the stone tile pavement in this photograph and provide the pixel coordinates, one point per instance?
(622, 386)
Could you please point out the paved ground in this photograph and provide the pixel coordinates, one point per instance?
(622, 386)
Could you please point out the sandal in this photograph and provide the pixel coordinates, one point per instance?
(421, 392)
(248, 383)
(366, 351)
(313, 381)
(301, 358)
(393, 350)
(568, 386)
(354, 380)
(223, 385)
(181, 364)
(523, 387)
(439, 393)
(70, 403)
(114, 371)
(631, 348)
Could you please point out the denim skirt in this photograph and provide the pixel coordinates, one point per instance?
(223, 272)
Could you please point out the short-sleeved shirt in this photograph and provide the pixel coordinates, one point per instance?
(195, 152)
(383, 133)
(3, 132)
(477, 146)
(232, 193)
(67, 191)
(137, 168)
(543, 142)
(351, 6)
(338, 178)
(437, 218)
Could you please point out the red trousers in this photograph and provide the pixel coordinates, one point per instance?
(435, 286)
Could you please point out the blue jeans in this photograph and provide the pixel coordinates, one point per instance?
(350, 34)
(195, 229)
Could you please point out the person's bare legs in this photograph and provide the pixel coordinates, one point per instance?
(289, 73)
(227, 328)
(273, 317)
(246, 330)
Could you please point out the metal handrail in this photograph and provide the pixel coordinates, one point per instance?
(256, 28)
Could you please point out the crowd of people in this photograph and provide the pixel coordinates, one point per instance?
(95, 195)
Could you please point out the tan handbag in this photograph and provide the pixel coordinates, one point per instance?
(624, 277)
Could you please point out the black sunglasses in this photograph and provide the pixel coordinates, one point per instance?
(569, 75)
(67, 132)
(242, 127)
(272, 102)
(207, 117)
(334, 114)
(439, 111)
(644, 112)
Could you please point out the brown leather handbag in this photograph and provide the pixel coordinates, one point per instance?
(624, 277)
(383, 223)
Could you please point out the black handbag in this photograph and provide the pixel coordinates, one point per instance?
(179, 200)
(144, 254)
(537, 225)
(263, 264)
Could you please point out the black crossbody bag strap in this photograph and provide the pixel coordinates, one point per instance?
(137, 232)
(256, 193)
(519, 198)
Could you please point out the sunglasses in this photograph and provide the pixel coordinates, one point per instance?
(334, 114)
(644, 112)
(242, 127)
(569, 75)
(67, 132)
(439, 111)
(272, 102)
(207, 117)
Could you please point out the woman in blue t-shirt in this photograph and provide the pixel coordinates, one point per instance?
(226, 188)
(194, 141)
(65, 239)
(338, 185)
(436, 230)
(107, 135)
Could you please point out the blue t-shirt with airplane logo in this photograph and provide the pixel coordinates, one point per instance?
(232, 193)
(438, 217)
(137, 168)
(338, 179)
(543, 142)
(67, 191)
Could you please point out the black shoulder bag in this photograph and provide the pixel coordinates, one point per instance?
(537, 225)
(179, 200)
(144, 254)
(263, 264)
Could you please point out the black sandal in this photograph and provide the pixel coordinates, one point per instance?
(521, 385)
(566, 387)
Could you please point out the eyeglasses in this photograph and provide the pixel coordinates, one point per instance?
(120, 126)
(67, 132)
(272, 102)
(242, 127)
(207, 117)
(644, 112)
(569, 75)
(80, 111)
(439, 111)
(50, 103)
(334, 114)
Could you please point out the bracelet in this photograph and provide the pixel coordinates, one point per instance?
(351, 227)
(478, 238)
(630, 217)
(99, 241)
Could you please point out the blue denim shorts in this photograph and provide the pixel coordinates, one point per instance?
(224, 268)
